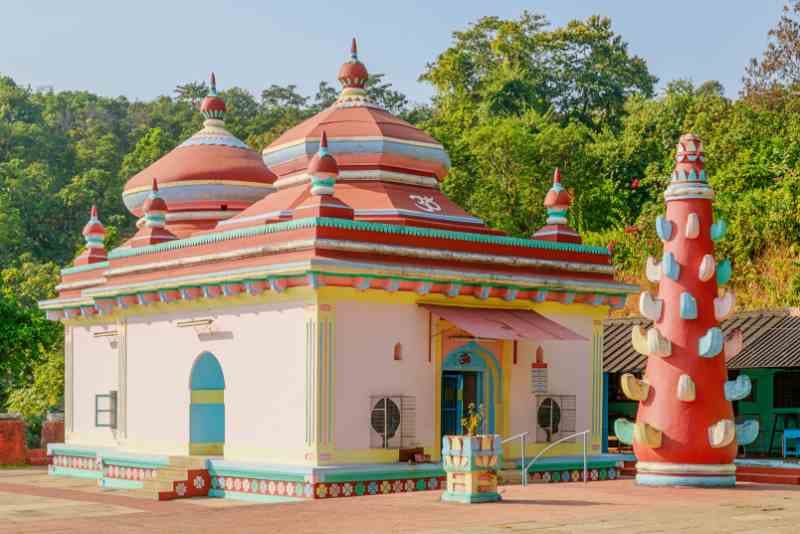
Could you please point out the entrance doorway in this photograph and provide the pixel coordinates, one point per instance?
(459, 389)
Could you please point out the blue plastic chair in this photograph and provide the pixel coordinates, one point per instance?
(791, 442)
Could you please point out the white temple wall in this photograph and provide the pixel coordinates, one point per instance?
(260, 349)
(366, 335)
(94, 373)
(569, 373)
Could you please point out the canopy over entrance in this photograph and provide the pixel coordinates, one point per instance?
(505, 324)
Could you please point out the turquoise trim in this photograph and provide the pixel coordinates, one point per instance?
(129, 461)
(77, 473)
(686, 481)
(363, 476)
(478, 364)
(66, 450)
(467, 498)
(253, 497)
(117, 483)
(84, 268)
(346, 224)
(260, 475)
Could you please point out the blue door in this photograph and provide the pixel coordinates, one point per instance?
(207, 408)
(452, 403)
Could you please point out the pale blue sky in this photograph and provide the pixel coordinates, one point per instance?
(143, 48)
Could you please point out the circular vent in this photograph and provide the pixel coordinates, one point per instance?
(548, 417)
(385, 419)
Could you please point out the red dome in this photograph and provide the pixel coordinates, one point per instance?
(212, 103)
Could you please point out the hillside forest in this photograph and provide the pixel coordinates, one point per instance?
(513, 99)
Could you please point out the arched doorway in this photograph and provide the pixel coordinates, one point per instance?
(470, 373)
(207, 408)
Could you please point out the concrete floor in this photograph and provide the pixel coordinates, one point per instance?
(31, 501)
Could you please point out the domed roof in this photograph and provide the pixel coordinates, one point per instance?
(368, 142)
(209, 177)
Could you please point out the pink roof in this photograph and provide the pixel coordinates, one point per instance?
(505, 324)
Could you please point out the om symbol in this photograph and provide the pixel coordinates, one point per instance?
(425, 203)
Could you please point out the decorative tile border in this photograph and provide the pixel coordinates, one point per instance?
(574, 475)
(238, 486)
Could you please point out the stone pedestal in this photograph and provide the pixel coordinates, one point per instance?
(471, 465)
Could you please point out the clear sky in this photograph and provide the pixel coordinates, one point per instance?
(144, 48)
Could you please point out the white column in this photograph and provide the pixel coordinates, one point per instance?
(69, 384)
(122, 379)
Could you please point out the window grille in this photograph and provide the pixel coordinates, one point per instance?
(392, 422)
(554, 417)
(105, 410)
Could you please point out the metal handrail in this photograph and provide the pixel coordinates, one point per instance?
(525, 468)
(521, 436)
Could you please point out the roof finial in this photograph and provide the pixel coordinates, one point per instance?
(212, 82)
(323, 169)
(94, 233)
(557, 202)
(353, 75)
(155, 208)
(213, 106)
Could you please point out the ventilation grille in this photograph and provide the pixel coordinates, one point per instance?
(392, 422)
(554, 417)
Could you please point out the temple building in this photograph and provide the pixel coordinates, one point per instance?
(307, 322)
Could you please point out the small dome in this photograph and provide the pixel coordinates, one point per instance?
(210, 177)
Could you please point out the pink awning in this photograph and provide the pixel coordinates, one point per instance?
(505, 324)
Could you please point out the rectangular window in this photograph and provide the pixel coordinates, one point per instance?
(105, 410)
(786, 389)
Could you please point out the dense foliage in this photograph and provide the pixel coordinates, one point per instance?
(513, 99)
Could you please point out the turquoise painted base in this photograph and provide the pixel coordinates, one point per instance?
(726, 481)
(241, 496)
(469, 498)
(117, 483)
(70, 472)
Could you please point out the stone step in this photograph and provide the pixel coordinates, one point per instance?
(160, 485)
(143, 494)
(188, 462)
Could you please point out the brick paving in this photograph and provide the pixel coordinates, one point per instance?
(30, 501)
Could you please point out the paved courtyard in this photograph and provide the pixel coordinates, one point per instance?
(30, 501)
